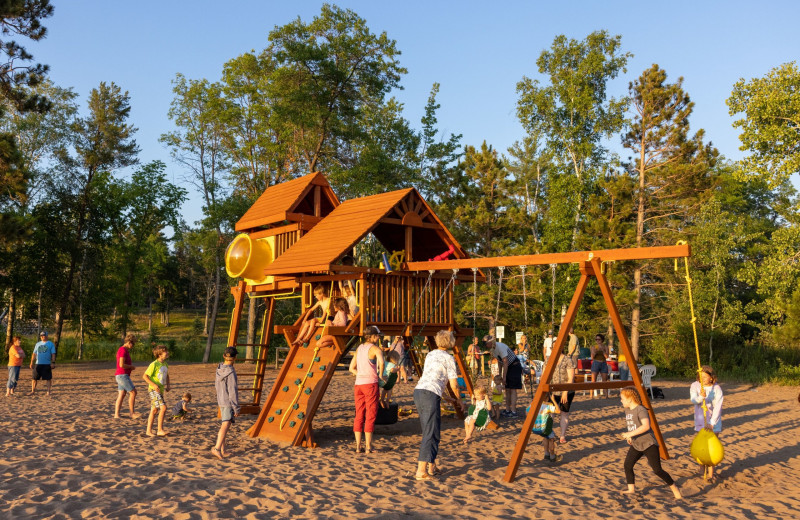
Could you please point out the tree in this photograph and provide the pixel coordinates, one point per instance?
(101, 142)
(771, 123)
(672, 169)
(573, 112)
(23, 18)
(197, 144)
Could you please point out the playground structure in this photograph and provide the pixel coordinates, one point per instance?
(283, 251)
(295, 236)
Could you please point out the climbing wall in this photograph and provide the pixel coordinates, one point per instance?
(297, 392)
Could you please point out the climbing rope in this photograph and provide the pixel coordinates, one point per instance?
(693, 321)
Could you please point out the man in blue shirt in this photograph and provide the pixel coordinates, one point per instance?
(42, 362)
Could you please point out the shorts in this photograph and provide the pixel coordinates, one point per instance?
(599, 367)
(124, 383)
(179, 415)
(226, 414)
(565, 407)
(514, 377)
(156, 399)
(43, 372)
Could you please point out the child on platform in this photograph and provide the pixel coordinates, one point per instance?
(180, 410)
(157, 378)
(481, 401)
(311, 322)
(342, 310)
(641, 440)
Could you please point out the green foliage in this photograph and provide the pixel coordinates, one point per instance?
(771, 123)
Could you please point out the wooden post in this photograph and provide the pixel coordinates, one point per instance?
(626, 348)
(266, 335)
(236, 316)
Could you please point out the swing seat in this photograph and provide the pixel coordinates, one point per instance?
(481, 420)
(707, 449)
(389, 384)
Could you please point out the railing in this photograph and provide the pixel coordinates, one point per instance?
(390, 299)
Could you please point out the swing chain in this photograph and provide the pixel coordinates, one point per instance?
(441, 297)
(499, 289)
(524, 297)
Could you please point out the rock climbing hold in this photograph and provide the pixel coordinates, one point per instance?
(297, 382)
(308, 391)
(278, 411)
(301, 415)
(285, 389)
(291, 424)
(270, 419)
(299, 365)
(296, 406)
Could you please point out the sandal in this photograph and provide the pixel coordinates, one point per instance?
(424, 477)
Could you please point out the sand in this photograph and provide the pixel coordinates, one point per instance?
(66, 457)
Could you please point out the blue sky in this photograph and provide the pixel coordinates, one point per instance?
(477, 51)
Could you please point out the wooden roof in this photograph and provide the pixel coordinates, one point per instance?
(386, 215)
(288, 201)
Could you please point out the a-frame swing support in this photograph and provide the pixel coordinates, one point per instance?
(590, 263)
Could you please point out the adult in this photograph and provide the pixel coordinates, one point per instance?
(510, 372)
(367, 366)
(439, 369)
(43, 361)
(15, 357)
(473, 356)
(399, 346)
(123, 377)
(523, 347)
(599, 354)
(547, 347)
(564, 373)
(573, 346)
(624, 370)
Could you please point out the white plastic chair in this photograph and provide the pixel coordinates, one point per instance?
(648, 372)
(537, 365)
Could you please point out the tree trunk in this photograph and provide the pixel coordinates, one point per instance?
(209, 296)
(637, 272)
(251, 328)
(79, 352)
(214, 310)
(39, 309)
(12, 312)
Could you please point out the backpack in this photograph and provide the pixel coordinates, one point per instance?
(543, 426)
(657, 393)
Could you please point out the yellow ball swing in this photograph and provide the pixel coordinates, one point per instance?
(706, 448)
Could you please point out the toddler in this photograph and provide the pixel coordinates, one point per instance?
(544, 426)
(180, 409)
(498, 396)
(387, 383)
(480, 401)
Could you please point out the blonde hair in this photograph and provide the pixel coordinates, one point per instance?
(480, 391)
(631, 394)
(445, 339)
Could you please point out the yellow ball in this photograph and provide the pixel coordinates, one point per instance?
(707, 449)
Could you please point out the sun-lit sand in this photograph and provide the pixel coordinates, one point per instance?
(66, 457)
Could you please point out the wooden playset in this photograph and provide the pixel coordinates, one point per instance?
(296, 235)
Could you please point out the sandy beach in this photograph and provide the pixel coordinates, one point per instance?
(66, 457)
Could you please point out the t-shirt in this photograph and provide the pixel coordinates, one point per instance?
(633, 419)
(561, 374)
(572, 348)
(178, 408)
(125, 354)
(44, 351)
(157, 372)
(15, 355)
(548, 346)
(439, 368)
(503, 351)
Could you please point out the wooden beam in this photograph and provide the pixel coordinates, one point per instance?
(606, 255)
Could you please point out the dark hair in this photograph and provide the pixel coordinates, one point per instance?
(231, 352)
(598, 335)
(710, 371)
(340, 304)
(372, 330)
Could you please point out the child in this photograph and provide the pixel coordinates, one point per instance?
(498, 396)
(15, 357)
(227, 386)
(180, 409)
(386, 384)
(546, 411)
(157, 378)
(348, 291)
(342, 310)
(641, 440)
(706, 389)
(480, 400)
(310, 322)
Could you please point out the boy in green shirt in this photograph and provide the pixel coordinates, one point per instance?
(157, 378)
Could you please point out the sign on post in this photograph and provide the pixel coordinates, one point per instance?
(519, 336)
(500, 331)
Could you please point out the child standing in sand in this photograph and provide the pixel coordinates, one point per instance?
(641, 440)
(498, 395)
(706, 389)
(157, 378)
(15, 357)
(543, 426)
(481, 401)
(227, 386)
